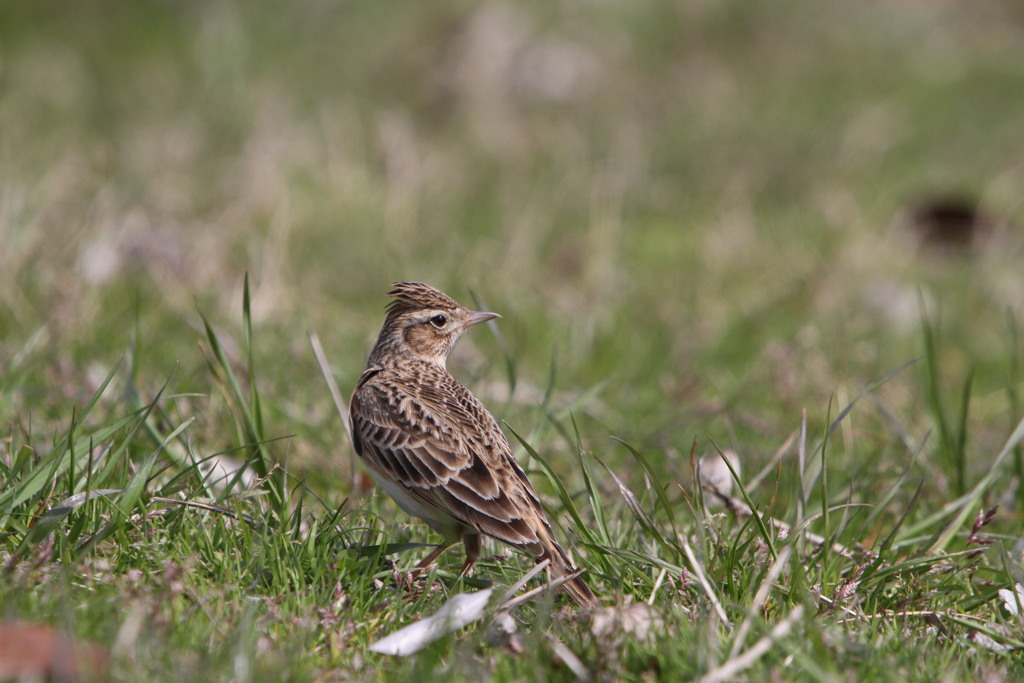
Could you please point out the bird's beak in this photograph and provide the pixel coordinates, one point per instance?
(477, 317)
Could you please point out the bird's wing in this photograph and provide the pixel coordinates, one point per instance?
(448, 453)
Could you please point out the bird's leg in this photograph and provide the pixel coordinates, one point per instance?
(433, 555)
(472, 544)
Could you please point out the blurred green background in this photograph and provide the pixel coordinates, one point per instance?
(701, 211)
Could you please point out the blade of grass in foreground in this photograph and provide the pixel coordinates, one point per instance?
(969, 501)
(59, 458)
(950, 440)
(879, 506)
(563, 494)
(595, 500)
(633, 503)
(506, 351)
(340, 404)
(826, 525)
(1013, 381)
(812, 474)
(883, 548)
(276, 479)
(654, 478)
(758, 520)
(248, 412)
(582, 529)
(132, 492)
(58, 513)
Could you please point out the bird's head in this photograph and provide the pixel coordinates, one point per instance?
(424, 323)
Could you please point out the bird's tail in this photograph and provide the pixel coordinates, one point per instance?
(560, 566)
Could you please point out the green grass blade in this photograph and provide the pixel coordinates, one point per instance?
(503, 345)
(593, 497)
(633, 503)
(49, 520)
(758, 520)
(563, 495)
(964, 505)
(132, 494)
(654, 478)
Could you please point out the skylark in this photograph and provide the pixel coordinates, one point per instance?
(435, 448)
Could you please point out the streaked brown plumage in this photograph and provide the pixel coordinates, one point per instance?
(434, 447)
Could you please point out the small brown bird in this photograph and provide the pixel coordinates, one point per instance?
(434, 447)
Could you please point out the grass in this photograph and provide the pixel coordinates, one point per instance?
(698, 242)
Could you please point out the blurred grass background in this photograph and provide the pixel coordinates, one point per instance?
(699, 204)
(703, 210)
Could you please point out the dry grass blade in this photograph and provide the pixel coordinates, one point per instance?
(207, 507)
(550, 586)
(705, 584)
(759, 599)
(537, 569)
(633, 503)
(570, 659)
(770, 466)
(967, 502)
(50, 519)
(65, 506)
(734, 665)
(336, 396)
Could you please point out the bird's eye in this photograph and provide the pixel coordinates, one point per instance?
(439, 321)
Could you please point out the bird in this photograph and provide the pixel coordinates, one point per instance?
(436, 449)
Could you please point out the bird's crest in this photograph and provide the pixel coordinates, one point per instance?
(416, 295)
